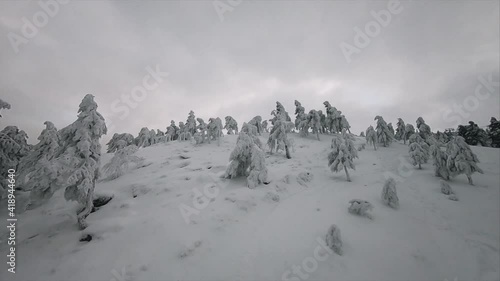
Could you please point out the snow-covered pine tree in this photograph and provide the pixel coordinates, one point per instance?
(461, 159)
(79, 156)
(440, 162)
(300, 114)
(13, 147)
(3, 105)
(371, 137)
(201, 135)
(184, 133)
(389, 194)
(419, 151)
(332, 116)
(362, 134)
(360, 207)
(257, 122)
(144, 138)
(384, 135)
(278, 135)
(264, 126)
(247, 159)
(231, 125)
(334, 240)
(409, 131)
(191, 123)
(344, 124)
(37, 172)
(314, 122)
(128, 139)
(400, 130)
(343, 153)
(122, 162)
(423, 129)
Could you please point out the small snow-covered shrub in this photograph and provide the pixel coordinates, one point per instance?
(334, 240)
(360, 207)
(121, 162)
(446, 188)
(248, 160)
(119, 141)
(343, 153)
(389, 194)
(371, 137)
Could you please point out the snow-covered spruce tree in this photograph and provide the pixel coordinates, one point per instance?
(264, 126)
(384, 135)
(343, 153)
(128, 139)
(409, 131)
(184, 133)
(461, 159)
(300, 114)
(332, 116)
(314, 122)
(344, 124)
(278, 135)
(334, 240)
(247, 159)
(360, 207)
(389, 194)
(494, 132)
(446, 188)
(78, 158)
(144, 138)
(214, 130)
(231, 125)
(423, 129)
(122, 162)
(322, 118)
(251, 130)
(3, 105)
(13, 147)
(172, 131)
(419, 151)
(400, 130)
(391, 129)
(257, 122)
(153, 137)
(440, 162)
(201, 134)
(191, 123)
(362, 134)
(371, 137)
(37, 172)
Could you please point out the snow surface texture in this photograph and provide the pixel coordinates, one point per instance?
(140, 235)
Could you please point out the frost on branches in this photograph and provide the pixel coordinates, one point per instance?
(423, 129)
(300, 114)
(389, 194)
(214, 129)
(314, 122)
(191, 123)
(278, 135)
(184, 133)
(440, 162)
(122, 162)
(3, 105)
(247, 159)
(419, 151)
(172, 131)
(343, 153)
(119, 141)
(461, 159)
(264, 126)
(231, 125)
(391, 129)
(384, 135)
(201, 135)
(409, 131)
(371, 137)
(400, 130)
(37, 171)
(13, 147)
(78, 159)
(144, 138)
(257, 122)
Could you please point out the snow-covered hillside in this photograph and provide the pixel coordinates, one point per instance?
(160, 225)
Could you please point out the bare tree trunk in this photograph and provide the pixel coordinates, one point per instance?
(287, 151)
(419, 166)
(375, 146)
(317, 134)
(82, 215)
(347, 174)
(470, 180)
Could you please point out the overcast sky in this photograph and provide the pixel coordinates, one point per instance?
(430, 56)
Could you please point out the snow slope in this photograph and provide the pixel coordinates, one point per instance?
(273, 232)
